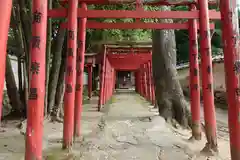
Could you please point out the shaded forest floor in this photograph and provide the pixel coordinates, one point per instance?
(128, 128)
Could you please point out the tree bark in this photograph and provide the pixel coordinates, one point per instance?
(23, 48)
(48, 57)
(55, 70)
(169, 95)
(57, 112)
(12, 89)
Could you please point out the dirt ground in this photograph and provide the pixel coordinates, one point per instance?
(127, 129)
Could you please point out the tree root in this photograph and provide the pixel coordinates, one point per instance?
(57, 119)
(208, 150)
(2, 130)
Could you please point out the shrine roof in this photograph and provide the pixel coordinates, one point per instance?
(90, 54)
(127, 44)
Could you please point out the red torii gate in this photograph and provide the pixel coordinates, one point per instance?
(128, 58)
(38, 44)
(139, 60)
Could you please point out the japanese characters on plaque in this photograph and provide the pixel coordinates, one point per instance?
(35, 67)
(70, 52)
(35, 44)
(78, 87)
(33, 94)
(69, 70)
(69, 88)
(209, 87)
(37, 17)
(71, 34)
(195, 86)
(36, 40)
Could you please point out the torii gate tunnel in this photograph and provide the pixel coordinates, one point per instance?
(143, 70)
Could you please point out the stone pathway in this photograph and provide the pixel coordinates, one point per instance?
(126, 129)
(129, 131)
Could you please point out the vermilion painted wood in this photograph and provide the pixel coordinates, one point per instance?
(5, 8)
(194, 74)
(145, 80)
(129, 49)
(153, 87)
(90, 70)
(80, 71)
(62, 12)
(130, 56)
(135, 25)
(149, 83)
(206, 68)
(140, 81)
(128, 61)
(102, 79)
(35, 110)
(69, 97)
(231, 50)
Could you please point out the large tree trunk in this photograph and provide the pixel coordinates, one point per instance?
(55, 69)
(21, 41)
(57, 112)
(169, 95)
(12, 89)
(48, 57)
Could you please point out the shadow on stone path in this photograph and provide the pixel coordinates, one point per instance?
(126, 129)
(129, 131)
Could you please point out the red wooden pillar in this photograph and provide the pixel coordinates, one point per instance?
(112, 88)
(149, 82)
(145, 79)
(5, 9)
(230, 28)
(90, 70)
(80, 72)
(114, 81)
(136, 81)
(69, 99)
(102, 78)
(111, 81)
(105, 81)
(142, 81)
(194, 78)
(139, 81)
(35, 109)
(207, 76)
(152, 85)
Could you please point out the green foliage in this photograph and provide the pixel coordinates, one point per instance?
(95, 35)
